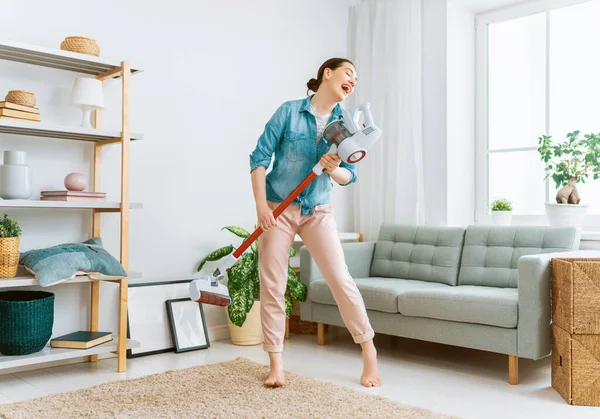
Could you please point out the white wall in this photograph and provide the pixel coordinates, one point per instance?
(214, 72)
(448, 106)
(460, 115)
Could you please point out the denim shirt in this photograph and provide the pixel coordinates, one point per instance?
(290, 135)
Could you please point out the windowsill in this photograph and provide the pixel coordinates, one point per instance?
(590, 235)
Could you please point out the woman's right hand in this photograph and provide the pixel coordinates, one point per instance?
(266, 220)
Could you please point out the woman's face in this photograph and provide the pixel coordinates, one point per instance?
(341, 81)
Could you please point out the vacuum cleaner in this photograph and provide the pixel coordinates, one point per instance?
(350, 140)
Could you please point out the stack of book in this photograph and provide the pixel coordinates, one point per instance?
(73, 196)
(15, 112)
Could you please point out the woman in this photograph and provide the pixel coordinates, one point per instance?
(294, 136)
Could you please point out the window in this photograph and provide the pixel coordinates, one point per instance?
(542, 78)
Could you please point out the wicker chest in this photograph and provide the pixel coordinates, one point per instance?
(576, 330)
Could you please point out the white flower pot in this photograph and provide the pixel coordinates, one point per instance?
(566, 214)
(503, 218)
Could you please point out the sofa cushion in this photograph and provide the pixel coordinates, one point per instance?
(421, 253)
(491, 253)
(380, 294)
(468, 304)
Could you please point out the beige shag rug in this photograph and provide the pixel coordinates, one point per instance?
(230, 389)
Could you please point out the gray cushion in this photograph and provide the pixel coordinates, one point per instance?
(491, 253)
(380, 294)
(469, 304)
(422, 253)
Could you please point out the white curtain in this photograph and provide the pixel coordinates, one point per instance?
(384, 42)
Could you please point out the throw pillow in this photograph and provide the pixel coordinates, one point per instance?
(60, 263)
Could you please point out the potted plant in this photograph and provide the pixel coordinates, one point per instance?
(501, 211)
(10, 233)
(244, 289)
(569, 163)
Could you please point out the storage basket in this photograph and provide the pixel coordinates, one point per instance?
(576, 367)
(9, 257)
(26, 321)
(576, 294)
(21, 97)
(81, 45)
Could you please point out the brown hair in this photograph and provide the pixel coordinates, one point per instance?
(332, 63)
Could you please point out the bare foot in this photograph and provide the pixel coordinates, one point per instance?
(370, 374)
(276, 376)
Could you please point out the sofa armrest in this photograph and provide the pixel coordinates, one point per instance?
(535, 304)
(358, 258)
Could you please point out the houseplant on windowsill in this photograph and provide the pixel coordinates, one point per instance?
(10, 233)
(501, 211)
(244, 289)
(569, 163)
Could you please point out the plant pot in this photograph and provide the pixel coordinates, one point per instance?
(9, 256)
(503, 218)
(566, 214)
(251, 331)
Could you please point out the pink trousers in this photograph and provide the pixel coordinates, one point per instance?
(319, 233)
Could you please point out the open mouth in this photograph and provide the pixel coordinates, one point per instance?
(346, 88)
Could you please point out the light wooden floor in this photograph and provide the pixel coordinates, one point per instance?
(456, 381)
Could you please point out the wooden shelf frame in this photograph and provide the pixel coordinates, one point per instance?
(102, 69)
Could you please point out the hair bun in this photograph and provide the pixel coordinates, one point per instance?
(312, 84)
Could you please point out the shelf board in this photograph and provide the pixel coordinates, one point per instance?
(33, 203)
(42, 129)
(30, 281)
(59, 59)
(49, 354)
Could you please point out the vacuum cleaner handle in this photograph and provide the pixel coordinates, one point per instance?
(318, 169)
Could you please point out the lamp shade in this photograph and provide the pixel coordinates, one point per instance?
(87, 92)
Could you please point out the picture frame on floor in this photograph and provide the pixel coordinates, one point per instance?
(147, 317)
(188, 325)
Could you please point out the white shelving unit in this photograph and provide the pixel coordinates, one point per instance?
(103, 69)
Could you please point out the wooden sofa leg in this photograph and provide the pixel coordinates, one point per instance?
(513, 369)
(320, 333)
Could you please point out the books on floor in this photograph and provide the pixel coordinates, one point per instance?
(13, 111)
(81, 340)
(66, 195)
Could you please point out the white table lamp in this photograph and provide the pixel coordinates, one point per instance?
(87, 94)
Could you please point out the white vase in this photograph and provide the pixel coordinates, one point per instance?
(251, 331)
(503, 218)
(15, 176)
(566, 214)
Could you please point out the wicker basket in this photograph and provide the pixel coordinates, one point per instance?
(21, 97)
(576, 295)
(576, 367)
(81, 45)
(9, 256)
(26, 321)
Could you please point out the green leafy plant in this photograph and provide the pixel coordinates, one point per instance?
(243, 281)
(9, 227)
(571, 162)
(501, 204)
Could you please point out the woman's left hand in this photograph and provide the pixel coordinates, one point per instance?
(330, 162)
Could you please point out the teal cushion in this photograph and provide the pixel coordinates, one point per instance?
(380, 294)
(468, 304)
(63, 262)
(491, 253)
(423, 253)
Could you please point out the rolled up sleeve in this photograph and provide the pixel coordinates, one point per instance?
(269, 139)
(352, 169)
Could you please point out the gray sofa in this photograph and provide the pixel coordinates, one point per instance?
(481, 287)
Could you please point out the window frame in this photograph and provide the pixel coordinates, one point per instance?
(482, 151)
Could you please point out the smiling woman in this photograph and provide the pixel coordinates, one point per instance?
(294, 135)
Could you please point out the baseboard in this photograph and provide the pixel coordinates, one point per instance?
(220, 332)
